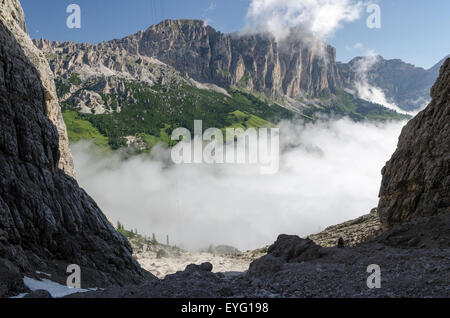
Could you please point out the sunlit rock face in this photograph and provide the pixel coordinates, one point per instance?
(253, 62)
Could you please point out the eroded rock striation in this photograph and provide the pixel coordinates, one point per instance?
(253, 62)
(46, 220)
(416, 181)
(12, 16)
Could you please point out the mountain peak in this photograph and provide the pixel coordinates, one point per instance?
(180, 23)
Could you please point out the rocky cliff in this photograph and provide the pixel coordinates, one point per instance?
(252, 62)
(46, 221)
(13, 18)
(402, 83)
(255, 62)
(416, 181)
(134, 91)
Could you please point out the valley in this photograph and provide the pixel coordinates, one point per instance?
(85, 144)
(135, 95)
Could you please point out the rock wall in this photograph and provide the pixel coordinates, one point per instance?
(416, 181)
(255, 62)
(46, 221)
(13, 18)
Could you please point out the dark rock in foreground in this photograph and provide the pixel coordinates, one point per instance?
(46, 220)
(416, 181)
(421, 271)
(39, 294)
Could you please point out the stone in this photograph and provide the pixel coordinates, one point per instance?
(292, 248)
(12, 16)
(253, 62)
(206, 267)
(11, 281)
(265, 266)
(416, 181)
(46, 220)
(353, 232)
(38, 294)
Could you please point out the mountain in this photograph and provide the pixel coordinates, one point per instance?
(47, 221)
(402, 83)
(255, 62)
(134, 91)
(416, 181)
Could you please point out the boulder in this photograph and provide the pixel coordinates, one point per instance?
(294, 249)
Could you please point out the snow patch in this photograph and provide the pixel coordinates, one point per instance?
(55, 289)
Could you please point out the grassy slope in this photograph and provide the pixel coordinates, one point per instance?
(158, 110)
(345, 104)
(80, 129)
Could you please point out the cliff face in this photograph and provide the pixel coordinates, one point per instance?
(46, 221)
(12, 16)
(416, 181)
(403, 84)
(301, 77)
(254, 62)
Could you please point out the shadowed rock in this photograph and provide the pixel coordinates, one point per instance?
(37, 294)
(286, 249)
(416, 181)
(293, 249)
(46, 220)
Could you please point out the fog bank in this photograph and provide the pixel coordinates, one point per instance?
(329, 173)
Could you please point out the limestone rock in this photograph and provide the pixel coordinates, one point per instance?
(352, 232)
(198, 51)
(416, 181)
(12, 16)
(46, 220)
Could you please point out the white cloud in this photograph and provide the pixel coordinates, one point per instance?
(329, 173)
(316, 19)
(212, 7)
(367, 91)
(356, 46)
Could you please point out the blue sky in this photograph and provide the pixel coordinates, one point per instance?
(415, 31)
